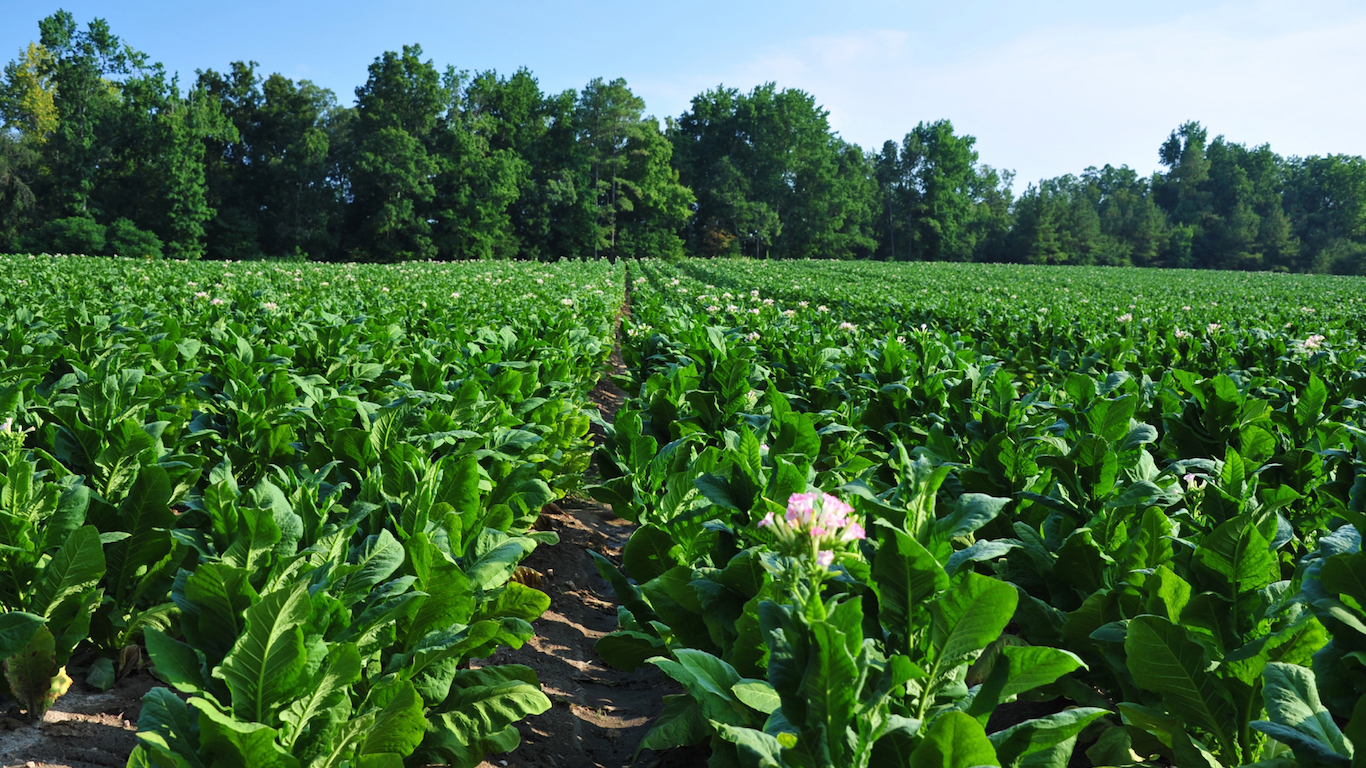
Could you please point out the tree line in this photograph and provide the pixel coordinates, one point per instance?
(103, 152)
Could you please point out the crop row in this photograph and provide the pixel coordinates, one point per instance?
(304, 490)
(880, 507)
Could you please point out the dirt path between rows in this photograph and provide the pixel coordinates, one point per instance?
(86, 729)
(599, 714)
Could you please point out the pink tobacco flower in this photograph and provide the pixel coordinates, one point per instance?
(853, 532)
(815, 525)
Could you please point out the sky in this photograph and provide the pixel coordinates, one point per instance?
(1046, 87)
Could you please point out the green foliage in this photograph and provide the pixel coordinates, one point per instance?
(269, 185)
(941, 205)
(1067, 498)
(307, 502)
(1133, 496)
(123, 238)
(53, 565)
(73, 234)
(448, 164)
(771, 178)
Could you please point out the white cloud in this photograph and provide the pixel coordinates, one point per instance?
(1055, 99)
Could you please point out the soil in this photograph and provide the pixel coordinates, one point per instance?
(87, 728)
(599, 714)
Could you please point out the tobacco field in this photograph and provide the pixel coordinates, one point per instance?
(303, 491)
(946, 515)
(1131, 498)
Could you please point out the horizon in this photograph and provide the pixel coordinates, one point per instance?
(1047, 90)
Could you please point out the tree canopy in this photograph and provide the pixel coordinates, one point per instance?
(101, 151)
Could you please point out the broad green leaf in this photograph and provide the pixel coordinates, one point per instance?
(1292, 700)
(378, 558)
(627, 649)
(681, 724)
(1258, 445)
(898, 742)
(265, 668)
(905, 577)
(647, 553)
(145, 514)
(437, 645)
(1308, 750)
(513, 599)
(1237, 551)
(449, 597)
(1020, 669)
(954, 740)
(484, 702)
(1016, 743)
(968, 617)
(1295, 643)
(17, 630)
(981, 551)
(712, 674)
(970, 512)
(257, 536)
(1345, 575)
(399, 725)
(74, 569)
(708, 680)
(1309, 408)
(167, 727)
(1168, 594)
(213, 606)
(495, 566)
(326, 690)
(72, 504)
(1110, 418)
(101, 674)
(174, 662)
(764, 750)
(717, 490)
(237, 744)
(1355, 731)
(757, 694)
(831, 683)
(1163, 659)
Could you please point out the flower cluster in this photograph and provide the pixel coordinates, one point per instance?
(11, 439)
(816, 524)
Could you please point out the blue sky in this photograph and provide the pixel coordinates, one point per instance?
(1047, 87)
